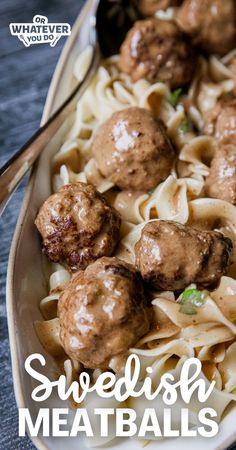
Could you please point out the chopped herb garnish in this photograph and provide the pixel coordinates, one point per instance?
(197, 297)
(184, 127)
(190, 300)
(174, 97)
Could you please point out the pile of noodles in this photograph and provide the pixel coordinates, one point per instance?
(209, 334)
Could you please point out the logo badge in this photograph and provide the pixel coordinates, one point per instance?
(40, 31)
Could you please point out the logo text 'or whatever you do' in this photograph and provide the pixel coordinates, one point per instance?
(40, 31)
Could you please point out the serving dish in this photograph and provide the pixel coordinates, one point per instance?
(26, 280)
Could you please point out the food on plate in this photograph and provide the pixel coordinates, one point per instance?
(157, 50)
(221, 181)
(210, 23)
(77, 226)
(155, 137)
(132, 149)
(171, 256)
(103, 312)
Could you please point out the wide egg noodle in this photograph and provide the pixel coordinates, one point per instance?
(213, 81)
(48, 332)
(169, 201)
(59, 279)
(196, 152)
(227, 368)
(209, 312)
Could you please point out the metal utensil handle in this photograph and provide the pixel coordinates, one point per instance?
(13, 171)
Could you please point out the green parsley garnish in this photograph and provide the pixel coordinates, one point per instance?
(174, 97)
(184, 127)
(190, 300)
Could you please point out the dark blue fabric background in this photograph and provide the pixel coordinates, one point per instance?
(25, 75)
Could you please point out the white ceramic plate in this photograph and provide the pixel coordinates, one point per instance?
(26, 284)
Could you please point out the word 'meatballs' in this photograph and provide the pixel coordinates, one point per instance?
(103, 312)
(78, 226)
(132, 149)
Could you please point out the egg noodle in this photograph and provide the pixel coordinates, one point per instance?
(210, 333)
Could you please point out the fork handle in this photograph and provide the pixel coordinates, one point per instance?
(13, 171)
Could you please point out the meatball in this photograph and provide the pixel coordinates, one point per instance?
(221, 122)
(149, 7)
(103, 312)
(132, 150)
(171, 256)
(210, 23)
(78, 226)
(221, 181)
(210, 118)
(158, 51)
(225, 129)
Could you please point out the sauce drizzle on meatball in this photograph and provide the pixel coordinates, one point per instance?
(171, 256)
(132, 149)
(103, 312)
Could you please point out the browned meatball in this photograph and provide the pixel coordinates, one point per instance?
(210, 117)
(132, 150)
(221, 181)
(103, 312)
(171, 256)
(157, 50)
(225, 129)
(221, 122)
(149, 7)
(210, 23)
(77, 226)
